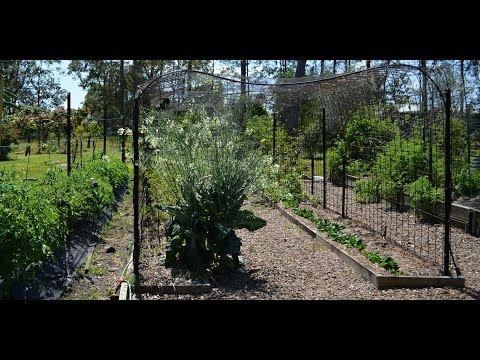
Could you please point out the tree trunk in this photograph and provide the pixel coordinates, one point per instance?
(243, 93)
(423, 66)
(292, 125)
(368, 64)
(243, 74)
(39, 151)
(334, 66)
(301, 68)
(189, 78)
(322, 67)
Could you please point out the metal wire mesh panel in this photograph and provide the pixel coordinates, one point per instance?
(364, 144)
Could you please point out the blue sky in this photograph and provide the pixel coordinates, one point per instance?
(71, 85)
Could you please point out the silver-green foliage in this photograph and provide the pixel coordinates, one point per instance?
(208, 167)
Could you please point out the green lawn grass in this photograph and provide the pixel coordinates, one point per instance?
(38, 163)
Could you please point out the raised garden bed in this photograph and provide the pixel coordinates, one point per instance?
(368, 272)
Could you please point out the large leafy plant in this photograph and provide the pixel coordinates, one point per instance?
(208, 167)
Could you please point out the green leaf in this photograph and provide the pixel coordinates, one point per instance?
(8, 94)
(248, 220)
(10, 105)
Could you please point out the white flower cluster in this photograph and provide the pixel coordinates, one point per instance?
(126, 131)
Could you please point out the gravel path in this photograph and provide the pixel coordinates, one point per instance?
(404, 229)
(283, 262)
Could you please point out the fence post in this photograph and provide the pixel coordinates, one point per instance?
(448, 181)
(324, 156)
(136, 208)
(274, 138)
(344, 161)
(122, 109)
(1, 97)
(69, 135)
(1, 110)
(313, 171)
(105, 130)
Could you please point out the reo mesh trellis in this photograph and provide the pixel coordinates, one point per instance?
(364, 144)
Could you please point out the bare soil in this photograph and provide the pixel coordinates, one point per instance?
(102, 278)
(473, 202)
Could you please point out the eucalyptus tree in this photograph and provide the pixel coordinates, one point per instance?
(34, 82)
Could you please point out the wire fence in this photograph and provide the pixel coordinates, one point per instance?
(366, 145)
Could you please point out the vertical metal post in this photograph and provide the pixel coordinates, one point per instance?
(324, 156)
(469, 151)
(122, 108)
(448, 184)
(344, 175)
(105, 130)
(136, 208)
(69, 135)
(1, 110)
(274, 137)
(430, 151)
(1, 97)
(313, 171)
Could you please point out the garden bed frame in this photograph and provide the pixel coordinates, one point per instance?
(381, 282)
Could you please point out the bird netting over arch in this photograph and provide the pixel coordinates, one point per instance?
(368, 145)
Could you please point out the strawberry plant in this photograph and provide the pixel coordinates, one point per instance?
(385, 261)
(350, 240)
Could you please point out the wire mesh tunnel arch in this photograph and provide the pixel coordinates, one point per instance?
(362, 143)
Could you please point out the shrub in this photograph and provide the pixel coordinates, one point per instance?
(402, 162)
(467, 181)
(260, 130)
(423, 195)
(287, 189)
(366, 134)
(293, 188)
(335, 156)
(367, 191)
(358, 168)
(458, 143)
